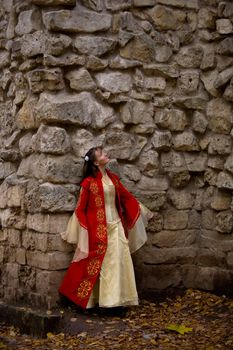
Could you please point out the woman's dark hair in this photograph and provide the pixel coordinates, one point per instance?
(89, 167)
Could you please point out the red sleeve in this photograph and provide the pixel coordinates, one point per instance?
(81, 205)
(129, 203)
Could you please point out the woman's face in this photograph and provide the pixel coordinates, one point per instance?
(101, 157)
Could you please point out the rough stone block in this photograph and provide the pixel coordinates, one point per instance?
(161, 277)
(173, 119)
(175, 219)
(14, 238)
(40, 43)
(199, 277)
(141, 48)
(180, 198)
(225, 47)
(185, 141)
(209, 78)
(56, 198)
(4, 58)
(165, 18)
(180, 3)
(220, 144)
(48, 261)
(137, 112)
(25, 118)
(80, 80)
(6, 169)
(182, 255)
(158, 84)
(119, 5)
(45, 79)
(96, 64)
(28, 21)
(48, 281)
(224, 26)
(208, 219)
(48, 223)
(188, 81)
(20, 256)
(11, 217)
(96, 46)
(65, 60)
(224, 221)
(190, 57)
(158, 183)
(80, 109)
(114, 82)
(148, 162)
(225, 180)
(196, 161)
(207, 17)
(78, 20)
(51, 168)
(161, 140)
(169, 239)
(199, 122)
(173, 161)
(124, 145)
(229, 164)
(51, 139)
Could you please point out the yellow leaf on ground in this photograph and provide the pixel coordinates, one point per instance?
(179, 328)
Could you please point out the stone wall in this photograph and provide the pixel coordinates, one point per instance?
(150, 80)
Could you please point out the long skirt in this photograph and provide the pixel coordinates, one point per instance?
(116, 284)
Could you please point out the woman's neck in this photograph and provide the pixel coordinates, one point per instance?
(102, 170)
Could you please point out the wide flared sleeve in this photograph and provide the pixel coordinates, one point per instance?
(137, 216)
(137, 235)
(129, 204)
(76, 230)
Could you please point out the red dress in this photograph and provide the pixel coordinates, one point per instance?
(82, 275)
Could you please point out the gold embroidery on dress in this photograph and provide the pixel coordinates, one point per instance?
(83, 289)
(93, 266)
(98, 201)
(94, 187)
(101, 248)
(101, 231)
(100, 215)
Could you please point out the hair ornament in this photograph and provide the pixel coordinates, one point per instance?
(86, 158)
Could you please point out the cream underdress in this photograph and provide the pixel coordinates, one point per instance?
(115, 285)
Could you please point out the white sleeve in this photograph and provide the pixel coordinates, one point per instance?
(77, 234)
(137, 235)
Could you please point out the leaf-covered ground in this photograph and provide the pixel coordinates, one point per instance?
(194, 320)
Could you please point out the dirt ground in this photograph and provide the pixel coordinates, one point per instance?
(194, 320)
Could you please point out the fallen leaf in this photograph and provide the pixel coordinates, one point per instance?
(179, 328)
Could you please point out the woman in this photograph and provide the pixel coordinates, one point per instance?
(107, 225)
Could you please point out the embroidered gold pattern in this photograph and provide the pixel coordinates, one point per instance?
(101, 231)
(98, 201)
(83, 289)
(101, 249)
(94, 188)
(93, 267)
(100, 215)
